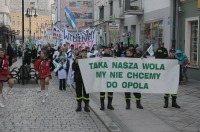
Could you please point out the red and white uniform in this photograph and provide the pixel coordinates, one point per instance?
(4, 70)
(43, 67)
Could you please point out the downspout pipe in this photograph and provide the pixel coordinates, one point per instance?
(174, 24)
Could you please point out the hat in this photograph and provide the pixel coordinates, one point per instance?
(172, 50)
(139, 49)
(84, 49)
(107, 46)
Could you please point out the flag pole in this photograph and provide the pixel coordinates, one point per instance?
(144, 53)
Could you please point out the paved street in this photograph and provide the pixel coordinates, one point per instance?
(155, 118)
(25, 112)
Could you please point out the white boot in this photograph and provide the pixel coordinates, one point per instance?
(46, 90)
(43, 96)
(1, 101)
(5, 95)
(39, 89)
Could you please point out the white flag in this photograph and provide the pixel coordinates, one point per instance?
(150, 50)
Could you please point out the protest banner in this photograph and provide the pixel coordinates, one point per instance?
(84, 39)
(49, 30)
(130, 75)
(57, 33)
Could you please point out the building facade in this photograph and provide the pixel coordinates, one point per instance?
(33, 26)
(43, 6)
(82, 11)
(7, 35)
(188, 34)
(37, 27)
(141, 22)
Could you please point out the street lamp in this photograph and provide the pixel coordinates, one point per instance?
(29, 15)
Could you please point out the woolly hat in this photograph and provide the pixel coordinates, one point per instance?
(139, 49)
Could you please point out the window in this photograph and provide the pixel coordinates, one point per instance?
(101, 12)
(120, 3)
(13, 22)
(192, 40)
(152, 33)
(111, 8)
(18, 22)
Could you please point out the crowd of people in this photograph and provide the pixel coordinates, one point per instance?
(63, 61)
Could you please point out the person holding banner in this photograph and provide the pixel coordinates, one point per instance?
(44, 66)
(174, 96)
(80, 88)
(109, 94)
(4, 76)
(129, 54)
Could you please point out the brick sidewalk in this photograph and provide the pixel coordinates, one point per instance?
(25, 112)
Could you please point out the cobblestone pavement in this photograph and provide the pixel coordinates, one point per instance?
(25, 112)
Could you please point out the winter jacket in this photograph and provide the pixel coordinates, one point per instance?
(161, 53)
(181, 58)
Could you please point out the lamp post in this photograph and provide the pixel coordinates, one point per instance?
(29, 14)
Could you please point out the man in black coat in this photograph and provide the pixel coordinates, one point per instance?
(27, 56)
(80, 88)
(10, 53)
(109, 94)
(161, 52)
(117, 51)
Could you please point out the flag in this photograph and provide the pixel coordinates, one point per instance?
(70, 18)
(150, 50)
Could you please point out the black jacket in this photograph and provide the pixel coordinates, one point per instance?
(118, 52)
(161, 53)
(106, 55)
(77, 72)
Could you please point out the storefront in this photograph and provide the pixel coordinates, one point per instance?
(152, 33)
(157, 26)
(188, 42)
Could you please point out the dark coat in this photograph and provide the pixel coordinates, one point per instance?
(161, 53)
(77, 72)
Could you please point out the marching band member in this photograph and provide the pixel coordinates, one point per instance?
(44, 66)
(4, 76)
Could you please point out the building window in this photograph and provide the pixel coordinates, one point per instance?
(13, 22)
(152, 33)
(192, 40)
(111, 8)
(120, 3)
(101, 12)
(18, 22)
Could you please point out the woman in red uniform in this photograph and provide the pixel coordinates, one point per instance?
(4, 75)
(44, 66)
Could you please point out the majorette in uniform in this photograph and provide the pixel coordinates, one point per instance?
(5, 76)
(44, 66)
